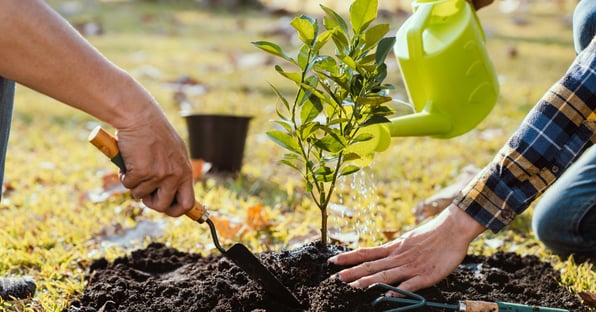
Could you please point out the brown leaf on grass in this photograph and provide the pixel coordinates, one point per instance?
(588, 298)
(390, 233)
(256, 218)
(226, 228)
(110, 181)
(111, 186)
(199, 168)
(7, 188)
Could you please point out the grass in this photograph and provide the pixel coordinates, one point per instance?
(51, 230)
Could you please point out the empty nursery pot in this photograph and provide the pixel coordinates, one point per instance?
(218, 139)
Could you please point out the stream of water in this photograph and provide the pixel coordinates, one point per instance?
(354, 214)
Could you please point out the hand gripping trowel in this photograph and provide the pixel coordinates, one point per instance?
(238, 253)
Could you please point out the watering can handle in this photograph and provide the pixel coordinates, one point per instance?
(423, 13)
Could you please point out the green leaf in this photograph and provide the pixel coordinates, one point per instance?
(374, 34)
(349, 61)
(349, 169)
(305, 27)
(304, 58)
(381, 73)
(362, 137)
(336, 19)
(375, 119)
(295, 77)
(274, 49)
(307, 130)
(308, 186)
(382, 110)
(341, 42)
(324, 174)
(322, 39)
(383, 48)
(284, 140)
(350, 156)
(330, 144)
(284, 124)
(340, 80)
(373, 99)
(362, 13)
(280, 96)
(318, 94)
(293, 161)
(310, 109)
(327, 64)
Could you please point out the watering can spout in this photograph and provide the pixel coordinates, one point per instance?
(420, 124)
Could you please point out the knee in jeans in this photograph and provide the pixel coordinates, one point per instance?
(584, 24)
(552, 235)
(541, 228)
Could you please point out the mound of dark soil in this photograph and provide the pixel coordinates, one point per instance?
(164, 279)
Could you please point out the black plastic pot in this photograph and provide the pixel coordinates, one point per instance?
(218, 139)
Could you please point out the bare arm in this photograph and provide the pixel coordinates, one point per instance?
(41, 50)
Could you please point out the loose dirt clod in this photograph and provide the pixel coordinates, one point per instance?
(159, 278)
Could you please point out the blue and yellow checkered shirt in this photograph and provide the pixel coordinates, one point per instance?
(555, 133)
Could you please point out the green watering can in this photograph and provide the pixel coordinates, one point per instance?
(450, 79)
(448, 74)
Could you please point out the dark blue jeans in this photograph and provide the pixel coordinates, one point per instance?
(565, 217)
(6, 103)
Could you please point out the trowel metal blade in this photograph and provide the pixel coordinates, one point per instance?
(248, 262)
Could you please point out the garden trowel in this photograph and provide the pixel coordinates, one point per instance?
(238, 253)
(413, 301)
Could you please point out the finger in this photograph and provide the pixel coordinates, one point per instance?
(133, 177)
(360, 255)
(388, 276)
(162, 199)
(143, 189)
(185, 200)
(372, 268)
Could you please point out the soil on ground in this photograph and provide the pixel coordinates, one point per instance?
(159, 278)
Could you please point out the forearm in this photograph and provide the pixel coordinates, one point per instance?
(42, 51)
(554, 134)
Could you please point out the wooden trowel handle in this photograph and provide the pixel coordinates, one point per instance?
(107, 144)
(482, 306)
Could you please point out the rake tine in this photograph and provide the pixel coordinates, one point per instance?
(415, 303)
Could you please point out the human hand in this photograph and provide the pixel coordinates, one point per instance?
(418, 259)
(158, 169)
(478, 4)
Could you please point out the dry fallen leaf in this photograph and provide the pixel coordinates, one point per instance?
(390, 234)
(226, 228)
(7, 188)
(199, 168)
(588, 298)
(111, 186)
(256, 218)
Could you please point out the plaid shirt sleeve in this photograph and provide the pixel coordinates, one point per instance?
(553, 135)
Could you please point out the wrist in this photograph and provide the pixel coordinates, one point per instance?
(130, 105)
(464, 225)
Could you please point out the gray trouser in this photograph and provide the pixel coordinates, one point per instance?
(6, 103)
